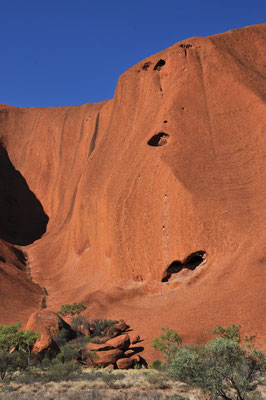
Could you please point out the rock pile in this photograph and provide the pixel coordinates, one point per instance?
(114, 352)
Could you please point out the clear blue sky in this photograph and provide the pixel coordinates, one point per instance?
(70, 52)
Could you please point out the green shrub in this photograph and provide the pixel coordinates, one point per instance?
(62, 371)
(68, 352)
(18, 341)
(157, 380)
(167, 343)
(62, 337)
(30, 376)
(11, 362)
(109, 379)
(70, 310)
(100, 327)
(225, 368)
(231, 332)
(78, 323)
(94, 375)
(11, 336)
(157, 364)
(97, 339)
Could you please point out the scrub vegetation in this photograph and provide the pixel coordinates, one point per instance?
(227, 367)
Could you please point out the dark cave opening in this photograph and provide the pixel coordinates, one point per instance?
(146, 65)
(160, 139)
(191, 262)
(159, 65)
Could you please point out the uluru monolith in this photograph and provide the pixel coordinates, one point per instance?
(149, 206)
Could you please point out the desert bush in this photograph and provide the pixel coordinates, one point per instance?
(19, 344)
(62, 337)
(109, 379)
(79, 322)
(11, 362)
(225, 368)
(94, 375)
(68, 352)
(100, 327)
(157, 364)
(98, 339)
(167, 343)
(157, 380)
(58, 371)
(11, 336)
(70, 310)
(29, 376)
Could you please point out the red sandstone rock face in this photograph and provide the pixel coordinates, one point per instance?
(125, 363)
(166, 181)
(99, 347)
(120, 342)
(48, 324)
(105, 358)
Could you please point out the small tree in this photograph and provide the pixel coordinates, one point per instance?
(225, 368)
(231, 332)
(71, 310)
(15, 347)
(11, 362)
(167, 343)
(12, 337)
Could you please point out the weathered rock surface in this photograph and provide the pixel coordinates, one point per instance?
(121, 342)
(119, 328)
(135, 339)
(99, 347)
(105, 358)
(126, 363)
(48, 324)
(155, 199)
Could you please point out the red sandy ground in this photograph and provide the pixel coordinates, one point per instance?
(121, 211)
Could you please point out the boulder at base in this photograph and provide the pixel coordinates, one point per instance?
(120, 342)
(126, 363)
(48, 324)
(104, 358)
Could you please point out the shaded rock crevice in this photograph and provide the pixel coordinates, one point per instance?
(191, 262)
(94, 136)
(158, 66)
(160, 139)
(22, 217)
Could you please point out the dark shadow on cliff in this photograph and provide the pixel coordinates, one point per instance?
(22, 217)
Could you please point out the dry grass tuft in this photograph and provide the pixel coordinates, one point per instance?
(94, 384)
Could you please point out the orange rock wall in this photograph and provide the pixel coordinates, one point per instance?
(120, 211)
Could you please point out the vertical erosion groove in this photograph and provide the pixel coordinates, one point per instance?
(94, 136)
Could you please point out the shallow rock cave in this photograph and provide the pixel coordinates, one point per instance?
(146, 65)
(159, 65)
(191, 262)
(160, 139)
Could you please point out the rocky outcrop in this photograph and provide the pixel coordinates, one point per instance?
(135, 339)
(126, 363)
(105, 358)
(48, 324)
(99, 346)
(114, 352)
(155, 198)
(121, 342)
